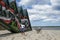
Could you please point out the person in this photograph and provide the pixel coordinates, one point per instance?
(25, 22)
(22, 28)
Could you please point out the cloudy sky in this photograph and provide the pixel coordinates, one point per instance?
(42, 12)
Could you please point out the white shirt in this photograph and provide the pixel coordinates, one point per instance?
(22, 26)
(3, 8)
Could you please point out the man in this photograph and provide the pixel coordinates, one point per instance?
(25, 22)
(22, 28)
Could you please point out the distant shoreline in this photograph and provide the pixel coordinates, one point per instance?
(37, 27)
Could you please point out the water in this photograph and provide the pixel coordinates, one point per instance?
(47, 27)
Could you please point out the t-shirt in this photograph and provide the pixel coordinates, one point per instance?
(22, 26)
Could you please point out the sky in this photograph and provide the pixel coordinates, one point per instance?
(42, 12)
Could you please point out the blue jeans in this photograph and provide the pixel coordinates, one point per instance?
(22, 29)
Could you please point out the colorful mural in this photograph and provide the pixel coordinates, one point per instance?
(13, 18)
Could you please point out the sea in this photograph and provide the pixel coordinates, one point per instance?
(46, 27)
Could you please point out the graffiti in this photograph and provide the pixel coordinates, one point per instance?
(13, 18)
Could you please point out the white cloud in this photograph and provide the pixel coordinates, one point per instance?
(37, 17)
(24, 2)
(44, 18)
(51, 20)
(55, 2)
(41, 7)
(33, 11)
(32, 2)
(39, 12)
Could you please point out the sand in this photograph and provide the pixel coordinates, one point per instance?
(31, 35)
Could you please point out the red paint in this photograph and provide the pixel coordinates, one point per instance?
(7, 21)
(2, 3)
(11, 10)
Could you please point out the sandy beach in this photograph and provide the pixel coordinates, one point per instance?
(31, 35)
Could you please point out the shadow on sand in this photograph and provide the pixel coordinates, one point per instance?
(7, 34)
